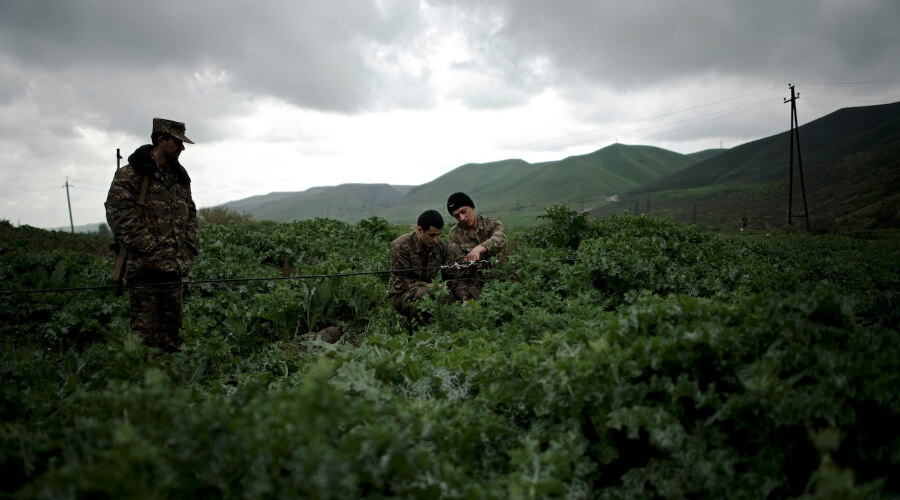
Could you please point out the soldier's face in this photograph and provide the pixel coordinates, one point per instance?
(465, 216)
(171, 147)
(428, 237)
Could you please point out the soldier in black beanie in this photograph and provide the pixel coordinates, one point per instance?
(475, 238)
(459, 200)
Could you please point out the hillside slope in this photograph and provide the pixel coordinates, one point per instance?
(344, 202)
(826, 140)
(520, 190)
(851, 166)
(513, 189)
(849, 161)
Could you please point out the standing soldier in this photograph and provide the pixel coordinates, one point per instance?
(475, 237)
(153, 217)
(416, 258)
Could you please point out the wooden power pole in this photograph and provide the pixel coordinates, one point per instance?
(69, 201)
(795, 137)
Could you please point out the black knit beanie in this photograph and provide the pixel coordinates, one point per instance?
(457, 200)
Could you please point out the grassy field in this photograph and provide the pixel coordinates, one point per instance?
(624, 357)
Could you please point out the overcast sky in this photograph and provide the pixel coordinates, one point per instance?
(287, 95)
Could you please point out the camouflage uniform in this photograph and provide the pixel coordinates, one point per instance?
(409, 282)
(489, 233)
(162, 242)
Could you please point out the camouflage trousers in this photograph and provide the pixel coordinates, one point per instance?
(155, 305)
(405, 303)
(470, 287)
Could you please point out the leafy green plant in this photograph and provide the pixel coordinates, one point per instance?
(662, 362)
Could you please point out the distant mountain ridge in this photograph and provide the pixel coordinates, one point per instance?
(849, 156)
(828, 139)
(349, 202)
(513, 188)
(851, 167)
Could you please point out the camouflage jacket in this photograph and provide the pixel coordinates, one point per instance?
(488, 232)
(165, 236)
(408, 257)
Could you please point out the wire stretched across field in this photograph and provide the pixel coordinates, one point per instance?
(454, 266)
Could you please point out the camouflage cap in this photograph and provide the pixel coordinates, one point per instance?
(170, 127)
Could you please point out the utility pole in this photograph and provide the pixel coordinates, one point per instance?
(795, 136)
(69, 201)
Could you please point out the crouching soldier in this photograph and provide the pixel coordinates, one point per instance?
(416, 259)
(474, 239)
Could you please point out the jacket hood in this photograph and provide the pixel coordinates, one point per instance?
(143, 164)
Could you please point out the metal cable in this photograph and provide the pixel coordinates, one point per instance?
(454, 266)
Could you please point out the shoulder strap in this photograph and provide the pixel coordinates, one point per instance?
(122, 252)
(142, 197)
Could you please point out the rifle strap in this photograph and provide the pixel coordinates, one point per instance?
(142, 197)
(123, 250)
(120, 262)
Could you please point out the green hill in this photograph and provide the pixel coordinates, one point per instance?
(826, 140)
(851, 175)
(513, 189)
(345, 202)
(849, 160)
(706, 154)
(518, 191)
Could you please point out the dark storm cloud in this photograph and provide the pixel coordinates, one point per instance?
(640, 43)
(319, 55)
(308, 53)
(67, 64)
(74, 70)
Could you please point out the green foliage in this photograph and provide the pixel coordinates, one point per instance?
(34, 239)
(661, 363)
(565, 229)
(222, 216)
(634, 256)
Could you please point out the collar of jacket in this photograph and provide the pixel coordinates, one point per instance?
(142, 162)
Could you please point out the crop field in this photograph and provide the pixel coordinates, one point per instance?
(626, 357)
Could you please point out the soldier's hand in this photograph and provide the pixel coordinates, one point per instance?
(475, 254)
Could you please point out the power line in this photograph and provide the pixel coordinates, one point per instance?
(853, 91)
(699, 120)
(876, 82)
(610, 134)
(641, 120)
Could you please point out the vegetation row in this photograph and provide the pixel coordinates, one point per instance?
(623, 357)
